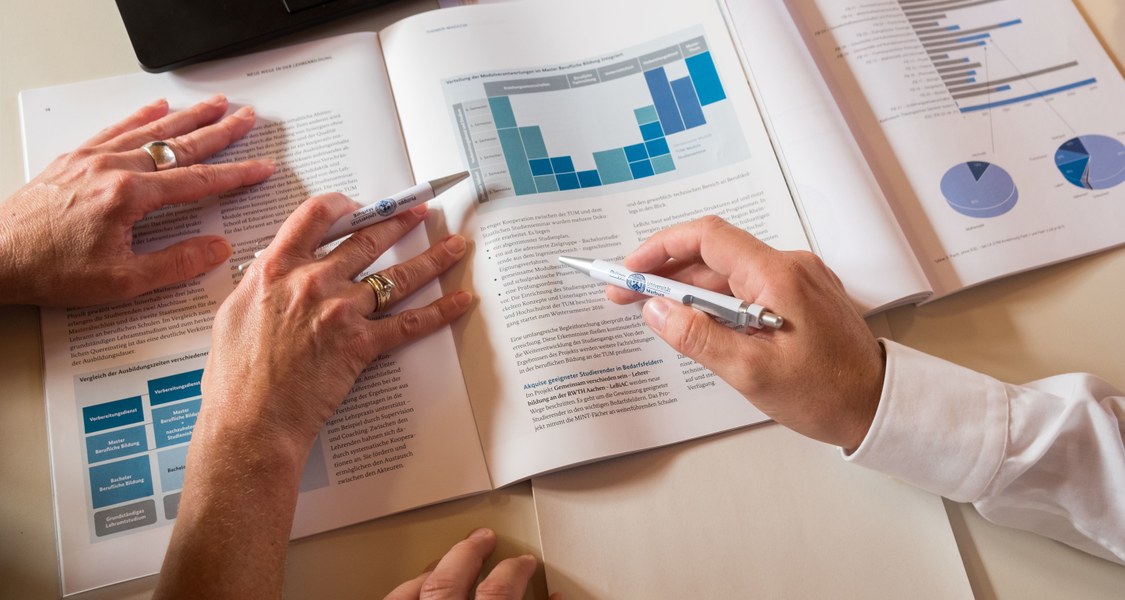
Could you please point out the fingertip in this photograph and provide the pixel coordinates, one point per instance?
(462, 299)
(655, 313)
(420, 210)
(483, 532)
(218, 251)
(455, 245)
(218, 101)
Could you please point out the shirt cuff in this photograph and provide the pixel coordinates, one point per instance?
(938, 426)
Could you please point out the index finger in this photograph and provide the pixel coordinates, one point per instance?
(722, 246)
(457, 571)
(301, 233)
(142, 116)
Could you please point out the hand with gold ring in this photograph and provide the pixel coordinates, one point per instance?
(287, 345)
(66, 237)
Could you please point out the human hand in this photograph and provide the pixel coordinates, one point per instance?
(287, 345)
(821, 374)
(66, 237)
(455, 574)
(290, 341)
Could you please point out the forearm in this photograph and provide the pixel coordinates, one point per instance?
(236, 512)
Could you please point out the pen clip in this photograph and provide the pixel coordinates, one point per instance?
(737, 318)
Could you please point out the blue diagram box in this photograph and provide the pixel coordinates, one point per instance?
(120, 481)
(116, 444)
(112, 414)
(172, 425)
(174, 387)
(172, 464)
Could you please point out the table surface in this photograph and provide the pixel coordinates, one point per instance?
(857, 529)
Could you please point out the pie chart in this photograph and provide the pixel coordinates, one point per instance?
(1093, 162)
(979, 189)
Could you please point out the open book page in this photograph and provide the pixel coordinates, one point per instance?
(852, 227)
(587, 126)
(997, 127)
(123, 381)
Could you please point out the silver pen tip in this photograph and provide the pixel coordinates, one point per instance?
(441, 184)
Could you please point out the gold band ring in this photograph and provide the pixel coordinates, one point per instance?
(382, 288)
(163, 157)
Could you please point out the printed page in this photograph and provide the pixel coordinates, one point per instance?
(996, 126)
(587, 127)
(852, 227)
(123, 381)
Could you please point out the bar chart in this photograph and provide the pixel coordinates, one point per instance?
(654, 111)
(988, 58)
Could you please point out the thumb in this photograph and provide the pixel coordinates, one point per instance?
(693, 334)
(182, 260)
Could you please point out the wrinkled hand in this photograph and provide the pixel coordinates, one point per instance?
(455, 575)
(821, 374)
(66, 237)
(292, 338)
(286, 347)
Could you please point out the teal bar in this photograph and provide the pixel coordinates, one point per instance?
(612, 165)
(646, 115)
(518, 167)
(663, 164)
(502, 113)
(546, 183)
(533, 142)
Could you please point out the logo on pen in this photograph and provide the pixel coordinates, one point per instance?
(636, 282)
(385, 207)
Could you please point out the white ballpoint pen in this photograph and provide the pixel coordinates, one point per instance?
(383, 209)
(737, 312)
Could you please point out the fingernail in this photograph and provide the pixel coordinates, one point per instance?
(483, 532)
(462, 299)
(455, 244)
(218, 251)
(655, 313)
(246, 112)
(216, 100)
(268, 164)
(420, 210)
(160, 102)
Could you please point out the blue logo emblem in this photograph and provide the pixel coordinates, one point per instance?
(386, 207)
(636, 282)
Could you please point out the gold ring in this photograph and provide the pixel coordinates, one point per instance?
(382, 288)
(163, 157)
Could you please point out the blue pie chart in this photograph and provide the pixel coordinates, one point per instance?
(1092, 162)
(979, 189)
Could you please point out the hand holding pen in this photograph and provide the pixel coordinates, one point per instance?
(820, 375)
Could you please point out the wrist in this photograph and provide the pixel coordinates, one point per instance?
(10, 284)
(249, 448)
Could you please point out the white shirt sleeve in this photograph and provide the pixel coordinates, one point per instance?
(1047, 456)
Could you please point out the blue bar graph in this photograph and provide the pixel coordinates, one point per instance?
(677, 106)
(594, 123)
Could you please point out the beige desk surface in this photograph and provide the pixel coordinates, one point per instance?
(871, 537)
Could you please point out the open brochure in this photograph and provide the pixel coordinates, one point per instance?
(586, 126)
